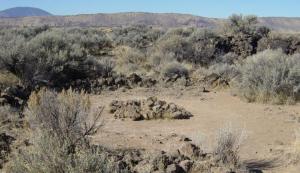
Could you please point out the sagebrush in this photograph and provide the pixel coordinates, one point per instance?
(270, 76)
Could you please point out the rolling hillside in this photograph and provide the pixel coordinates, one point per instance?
(165, 20)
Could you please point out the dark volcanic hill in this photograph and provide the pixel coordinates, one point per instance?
(166, 20)
(23, 12)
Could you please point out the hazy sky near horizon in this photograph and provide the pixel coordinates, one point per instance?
(209, 8)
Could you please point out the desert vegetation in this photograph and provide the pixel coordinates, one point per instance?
(60, 58)
(47, 75)
(270, 76)
(60, 130)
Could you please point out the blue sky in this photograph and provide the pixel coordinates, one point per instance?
(209, 8)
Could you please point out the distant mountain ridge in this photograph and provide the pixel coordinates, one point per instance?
(166, 20)
(23, 12)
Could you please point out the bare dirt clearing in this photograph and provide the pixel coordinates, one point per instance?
(269, 128)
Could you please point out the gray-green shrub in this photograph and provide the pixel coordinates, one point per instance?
(139, 37)
(158, 60)
(226, 71)
(129, 60)
(61, 124)
(46, 155)
(54, 56)
(206, 46)
(177, 45)
(175, 69)
(270, 76)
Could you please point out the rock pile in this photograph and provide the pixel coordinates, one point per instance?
(111, 83)
(14, 96)
(147, 109)
(289, 45)
(5, 147)
(189, 158)
(176, 80)
(142, 161)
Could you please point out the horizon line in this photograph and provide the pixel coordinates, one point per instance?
(116, 12)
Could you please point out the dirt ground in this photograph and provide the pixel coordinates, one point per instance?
(269, 129)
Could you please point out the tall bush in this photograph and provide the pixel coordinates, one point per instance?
(270, 76)
(61, 124)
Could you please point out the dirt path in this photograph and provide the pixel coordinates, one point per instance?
(269, 128)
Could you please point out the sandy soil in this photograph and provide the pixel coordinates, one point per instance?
(269, 128)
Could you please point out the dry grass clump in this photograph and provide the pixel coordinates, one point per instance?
(226, 154)
(129, 60)
(296, 148)
(157, 60)
(297, 142)
(7, 79)
(9, 118)
(229, 141)
(270, 76)
(175, 44)
(61, 124)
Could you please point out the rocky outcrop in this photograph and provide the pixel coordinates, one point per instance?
(5, 149)
(190, 158)
(191, 151)
(243, 45)
(141, 161)
(289, 45)
(147, 109)
(14, 96)
(113, 82)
